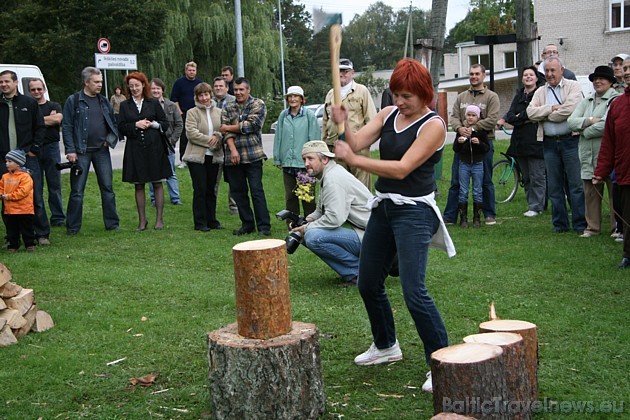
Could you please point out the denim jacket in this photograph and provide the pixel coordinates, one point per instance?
(75, 123)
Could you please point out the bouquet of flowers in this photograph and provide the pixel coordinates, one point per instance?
(305, 189)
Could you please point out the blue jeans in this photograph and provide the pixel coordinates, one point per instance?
(103, 168)
(562, 159)
(489, 204)
(408, 229)
(49, 156)
(244, 178)
(466, 172)
(339, 248)
(171, 184)
(40, 221)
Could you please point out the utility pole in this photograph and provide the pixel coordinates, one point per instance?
(240, 66)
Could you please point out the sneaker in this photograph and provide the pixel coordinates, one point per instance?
(427, 386)
(491, 221)
(619, 238)
(375, 356)
(30, 248)
(43, 241)
(616, 234)
(587, 234)
(182, 165)
(532, 213)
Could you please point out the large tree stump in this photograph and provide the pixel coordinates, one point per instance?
(263, 308)
(279, 378)
(517, 376)
(450, 416)
(469, 379)
(527, 330)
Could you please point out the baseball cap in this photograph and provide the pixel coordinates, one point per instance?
(345, 64)
(317, 146)
(621, 55)
(295, 90)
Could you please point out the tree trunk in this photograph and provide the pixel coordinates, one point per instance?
(524, 37)
(468, 379)
(517, 376)
(280, 378)
(263, 307)
(527, 330)
(438, 32)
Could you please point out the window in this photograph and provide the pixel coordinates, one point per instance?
(619, 14)
(509, 60)
(483, 59)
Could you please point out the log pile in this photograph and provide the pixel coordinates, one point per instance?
(18, 312)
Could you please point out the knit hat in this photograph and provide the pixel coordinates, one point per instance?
(18, 156)
(317, 146)
(295, 90)
(475, 109)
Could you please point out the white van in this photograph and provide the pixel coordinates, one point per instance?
(25, 73)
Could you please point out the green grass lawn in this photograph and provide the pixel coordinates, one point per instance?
(151, 297)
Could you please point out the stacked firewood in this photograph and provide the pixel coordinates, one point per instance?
(18, 312)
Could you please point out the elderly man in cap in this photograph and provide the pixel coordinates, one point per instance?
(296, 126)
(356, 98)
(342, 201)
(617, 65)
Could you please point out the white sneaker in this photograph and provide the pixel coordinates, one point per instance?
(182, 165)
(427, 386)
(375, 356)
(532, 213)
(619, 238)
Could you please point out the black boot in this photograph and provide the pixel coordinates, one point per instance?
(463, 214)
(477, 207)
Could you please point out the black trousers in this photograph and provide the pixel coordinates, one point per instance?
(204, 206)
(20, 224)
(246, 178)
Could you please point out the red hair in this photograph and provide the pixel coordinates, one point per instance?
(142, 78)
(411, 76)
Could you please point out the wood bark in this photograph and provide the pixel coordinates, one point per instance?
(5, 275)
(279, 378)
(22, 301)
(517, 376)
(43, 321)
(528, 331)
(263, 307)
(9, 290)
(467, 379)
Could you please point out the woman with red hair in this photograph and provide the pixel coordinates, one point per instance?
(405, 219)
(142, 121)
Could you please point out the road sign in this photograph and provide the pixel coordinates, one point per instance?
(116, 61)
(103, 45)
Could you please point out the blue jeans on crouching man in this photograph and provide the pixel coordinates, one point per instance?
(339, 248)
(466, 172)
(408, 229)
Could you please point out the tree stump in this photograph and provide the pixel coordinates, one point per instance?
(469, 379)
(263, 308)
(279, 378)
(517, 376)
(450, 416)
(527, 330)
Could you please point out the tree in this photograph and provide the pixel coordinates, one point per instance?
(438, 27)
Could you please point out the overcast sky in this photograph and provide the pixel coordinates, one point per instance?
(456, 8)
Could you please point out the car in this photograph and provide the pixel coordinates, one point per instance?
(318, 109)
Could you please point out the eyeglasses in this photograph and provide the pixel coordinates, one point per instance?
(36, 89)
(551, 52)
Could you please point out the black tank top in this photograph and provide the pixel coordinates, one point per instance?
(393, 145)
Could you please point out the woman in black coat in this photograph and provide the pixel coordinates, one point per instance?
(142, 121)
(524, 145)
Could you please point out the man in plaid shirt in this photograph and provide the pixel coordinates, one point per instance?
(242, 123)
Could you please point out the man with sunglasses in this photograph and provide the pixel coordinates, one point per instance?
(49, 154)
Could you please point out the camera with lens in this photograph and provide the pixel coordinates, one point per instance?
(75, 169)
(294, 239)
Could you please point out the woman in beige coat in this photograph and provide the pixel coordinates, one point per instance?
(204, 155)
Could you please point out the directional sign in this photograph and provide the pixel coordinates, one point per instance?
(116, 61)
(103, 45)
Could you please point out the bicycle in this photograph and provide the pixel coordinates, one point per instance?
(506, 176)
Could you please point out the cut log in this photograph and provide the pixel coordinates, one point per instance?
(2, 304)
(450, 416)
(517, 375)
(279, 378)
(13, 317)
(263, 307)
(22, 301)
(43, 321)
(3, 322)
(467, 379)
(29, 316)
(7, 337)
(527, 330)
(9, 290)
(5, 275)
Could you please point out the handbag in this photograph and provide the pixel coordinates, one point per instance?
(168, 147)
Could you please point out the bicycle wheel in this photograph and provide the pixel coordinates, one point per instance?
(505, 179)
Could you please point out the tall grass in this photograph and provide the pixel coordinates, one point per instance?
(151, 297)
